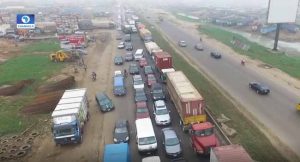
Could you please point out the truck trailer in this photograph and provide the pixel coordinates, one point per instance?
(152, 47)
(163, 63)
(187, 100)
(145, 35)
(69, 117)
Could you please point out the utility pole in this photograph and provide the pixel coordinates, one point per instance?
(276, 37)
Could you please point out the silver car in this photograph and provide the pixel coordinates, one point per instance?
(171, 143)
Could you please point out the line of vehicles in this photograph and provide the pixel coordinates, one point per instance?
(71, 113)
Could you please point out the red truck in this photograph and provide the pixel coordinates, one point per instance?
(163, 63)
(74, 40)
(190, 106)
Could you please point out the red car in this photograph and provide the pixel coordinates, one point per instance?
(143, 62)
(150, 79)
(142, 110)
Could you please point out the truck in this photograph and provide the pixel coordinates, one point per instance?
(163, 64)
(126, 29)
(117, 153)
(230, 153)
(69, 117)
(145, 35)
(187, 100)
(152, 47)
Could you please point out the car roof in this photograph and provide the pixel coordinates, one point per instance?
(169, 133)
(140, 90)
(150, 75)
(141, 104)
(159, 103)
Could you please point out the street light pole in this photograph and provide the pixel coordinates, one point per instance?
(276, 37)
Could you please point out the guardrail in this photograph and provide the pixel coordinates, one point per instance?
(227, 140)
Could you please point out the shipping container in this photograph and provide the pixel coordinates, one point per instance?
(187, 100)
(163, 60)
(152, 47)
(145, 35)
(229, 153)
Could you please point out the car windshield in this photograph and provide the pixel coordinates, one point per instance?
(205, 132)
(138, 82)
(104, 102)
(147, 140)
(64, 131)
(118, 59)
(119, 88)
(120, 130)
(157, 91)
(172, 141)
(140, 94)
(161, 112)
(151, 78)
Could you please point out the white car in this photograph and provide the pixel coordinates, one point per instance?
(138, 82)
(121, 45)
(162, 116)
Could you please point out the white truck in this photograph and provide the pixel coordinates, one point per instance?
(152, 47)
(69, 117)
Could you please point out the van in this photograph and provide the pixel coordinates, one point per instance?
(119, 86)
(138, 54)
(145, 137)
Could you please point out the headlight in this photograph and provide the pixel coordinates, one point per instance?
(127, 138)
(115, 140)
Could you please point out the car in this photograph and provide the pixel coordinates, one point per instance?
(157, 92)
(161, 113)
(182, 43)
(133, 29)
(128, 46)
(138, 82)
(143, 62)
(127, 38)
(171, 143)
(104, 102)
(150, 79)
(140, 95)
(142, 110)
(118, 37)
(118, 60)
(121, 131)
(129, 56)
(259, 88)
(216, 55)
(148, 70)
(199, 47)
(121, 45)
(133, 69)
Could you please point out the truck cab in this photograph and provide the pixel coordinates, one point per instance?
(66, 129)
(203, 138)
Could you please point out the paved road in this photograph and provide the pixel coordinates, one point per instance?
(128, 112)
(276, 111)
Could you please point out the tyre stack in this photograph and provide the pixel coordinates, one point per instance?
(15, 147)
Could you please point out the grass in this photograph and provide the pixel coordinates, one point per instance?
(42, 46)
(184, 18)
(22, 67)
(254, 141)
(288, 64)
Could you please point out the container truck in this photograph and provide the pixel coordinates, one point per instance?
(69, 117)
(145, 34)
(230, 153)
(190, 107)
(163, 64)
(117, 153)
(152, 47)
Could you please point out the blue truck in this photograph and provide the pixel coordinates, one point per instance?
(117, 153)
(119, 86)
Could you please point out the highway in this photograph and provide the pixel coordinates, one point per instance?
(276, 110)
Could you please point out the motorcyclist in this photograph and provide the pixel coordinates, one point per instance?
(125, 73)
(94, 75)
(243, 62)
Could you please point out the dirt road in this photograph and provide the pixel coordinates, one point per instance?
(99, 59)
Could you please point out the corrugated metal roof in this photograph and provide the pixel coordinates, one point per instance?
(232, 153)
(183, 87)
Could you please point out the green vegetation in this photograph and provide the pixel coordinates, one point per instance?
(185, 18)
(254, 141)
(42, 46)
(288, 64)
(22, 67)
(10, 119)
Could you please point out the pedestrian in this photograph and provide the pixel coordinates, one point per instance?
(85, 67)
